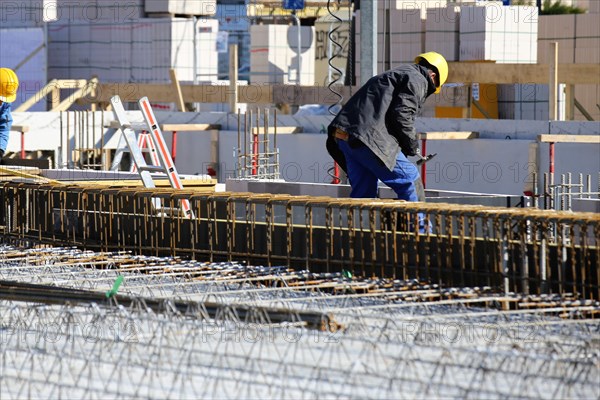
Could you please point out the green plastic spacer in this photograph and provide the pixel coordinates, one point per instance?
(115, 287)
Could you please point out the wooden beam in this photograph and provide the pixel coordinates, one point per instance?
(569, 102)
(189, 127)
(582, 109)
(569, 139)
(70, 83)
(83, 92)
(256, 94)
(280, 129)
(177, 89)
(20, 128)
(19, 173)
(43, 92)
(162, 93)
(294, 94)
(449, 135)
(521, 73)
(196, 185)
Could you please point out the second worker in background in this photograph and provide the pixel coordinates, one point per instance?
(9, 83)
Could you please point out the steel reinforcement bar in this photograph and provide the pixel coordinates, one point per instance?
(514, 250)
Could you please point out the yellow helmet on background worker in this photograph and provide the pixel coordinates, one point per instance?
(9, 83)
(439, 62)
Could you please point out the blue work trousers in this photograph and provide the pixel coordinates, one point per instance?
(365, 169)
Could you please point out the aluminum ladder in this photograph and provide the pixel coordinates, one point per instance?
(166, 164)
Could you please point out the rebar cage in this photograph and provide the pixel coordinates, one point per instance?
(517, 250)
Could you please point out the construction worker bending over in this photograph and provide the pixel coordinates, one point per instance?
(9, 83)
(374, 132)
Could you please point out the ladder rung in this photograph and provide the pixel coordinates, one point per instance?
(151, 168)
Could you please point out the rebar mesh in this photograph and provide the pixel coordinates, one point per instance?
(399, 339)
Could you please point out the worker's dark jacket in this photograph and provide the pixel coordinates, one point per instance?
(381, 114)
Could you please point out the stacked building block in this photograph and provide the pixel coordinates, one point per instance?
(578, 38)
(504, 34)
(523, 101)
(587, 51)
(16, 44)
(142, 50)
(181, 7)
(99, 10)
(404, 36)
(410, 4)
(442, 27)
(27, 13)
(274, 54)
(560, 29)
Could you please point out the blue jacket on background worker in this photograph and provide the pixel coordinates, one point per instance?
(374, 132)
(9, 83)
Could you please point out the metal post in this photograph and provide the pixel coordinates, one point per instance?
(368, 40)
(543, 283)
(423, 165)
(563, 193)
(233, 77)
(535, 190)
(505, 255)
(551, 166)
(299, 38)
(553, 81)
(570, 191)
(22, 145)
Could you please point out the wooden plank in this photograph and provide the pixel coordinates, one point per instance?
(163, 93)
(449, 135)
(280, 129)
(190, 184)
(20, 128)
(476, 72)
(18, 173)
(70, 83)
(177, 88)
(569, 139)
(81, 93)
(294, 94)
(189, 127)
(42, 93)
(521, 73)
(29, 170)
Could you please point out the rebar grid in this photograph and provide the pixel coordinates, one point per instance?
(559, 196)
(257, 152)
(400, 339)
(52, 351)
(516, 250)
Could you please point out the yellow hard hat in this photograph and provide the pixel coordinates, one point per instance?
(439, 62)
(9, 83)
